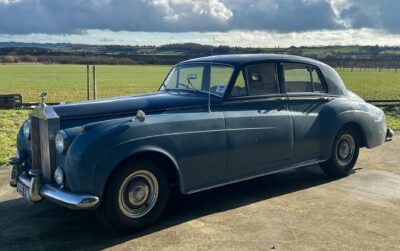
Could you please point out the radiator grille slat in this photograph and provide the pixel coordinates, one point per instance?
(43, 129)
(35, 143)
(44, 149)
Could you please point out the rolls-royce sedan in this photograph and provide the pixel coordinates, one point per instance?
(214, 121)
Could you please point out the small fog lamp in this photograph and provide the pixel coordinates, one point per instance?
(61, 142)
(59, 176)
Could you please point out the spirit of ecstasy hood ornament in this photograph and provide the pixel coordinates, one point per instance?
(42, 96)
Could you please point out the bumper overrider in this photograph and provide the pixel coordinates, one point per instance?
(31, 188)
(389, 135)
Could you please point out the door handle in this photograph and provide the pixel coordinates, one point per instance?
(326, 99)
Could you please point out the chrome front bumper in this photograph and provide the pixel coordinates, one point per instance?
(35, 191)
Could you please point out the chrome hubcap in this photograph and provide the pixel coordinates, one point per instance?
(345, 149)
(138, 194)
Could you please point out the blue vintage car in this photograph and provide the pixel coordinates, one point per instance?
(214, 121)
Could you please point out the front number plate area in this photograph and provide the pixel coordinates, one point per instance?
(23, 190)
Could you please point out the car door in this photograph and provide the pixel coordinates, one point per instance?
(258, 125)
(307, 96)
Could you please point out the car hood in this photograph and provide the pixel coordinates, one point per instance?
(97, 110)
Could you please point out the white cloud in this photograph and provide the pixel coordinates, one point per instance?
(244, 22)
(9, 1)
(309, 38)
(75, 16)
(231, 38)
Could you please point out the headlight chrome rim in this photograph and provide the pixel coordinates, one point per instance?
(26, 129)
(61, 142)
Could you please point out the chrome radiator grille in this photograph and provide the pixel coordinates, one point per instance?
(44, 126)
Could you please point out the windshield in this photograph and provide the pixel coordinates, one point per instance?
(199, 77)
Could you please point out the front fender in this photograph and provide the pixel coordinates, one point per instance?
(86, 149)
(106, 165)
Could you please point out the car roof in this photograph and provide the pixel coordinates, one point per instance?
(242, 59)
(333, 80)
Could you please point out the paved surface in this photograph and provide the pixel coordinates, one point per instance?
(295, 210)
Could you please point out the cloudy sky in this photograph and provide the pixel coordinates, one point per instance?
(254, 23)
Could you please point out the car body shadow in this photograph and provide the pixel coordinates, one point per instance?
(48, 226)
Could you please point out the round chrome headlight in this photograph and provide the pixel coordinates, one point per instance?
(59, 176)
(61, 142)
(26, 129)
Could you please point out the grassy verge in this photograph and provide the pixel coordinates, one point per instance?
(393, 120)
(10, 122)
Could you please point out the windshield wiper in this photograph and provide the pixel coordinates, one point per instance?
(193, 91)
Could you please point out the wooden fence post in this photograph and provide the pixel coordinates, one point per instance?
(87, 82)
(94, 82)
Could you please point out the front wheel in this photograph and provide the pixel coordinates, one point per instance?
(135, 197)
(344, 154)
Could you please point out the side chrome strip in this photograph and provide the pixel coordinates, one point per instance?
(257, 176)
(326, 99)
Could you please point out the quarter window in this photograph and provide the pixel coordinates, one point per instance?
(302, 78)
(240, 88)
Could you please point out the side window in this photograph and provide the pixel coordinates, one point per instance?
(262, 79)
(302, 78)
(257, 79)
(219, 79)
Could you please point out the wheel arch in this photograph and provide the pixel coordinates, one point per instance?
(335, 129)
(156, 155)
(361, 134)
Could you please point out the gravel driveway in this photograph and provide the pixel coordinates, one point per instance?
(296, 210)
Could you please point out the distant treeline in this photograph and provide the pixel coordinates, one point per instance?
(66, 59)
(337, 56)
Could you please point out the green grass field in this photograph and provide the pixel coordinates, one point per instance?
(372, 84)
(67, 83)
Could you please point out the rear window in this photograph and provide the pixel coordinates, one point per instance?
(302, 78)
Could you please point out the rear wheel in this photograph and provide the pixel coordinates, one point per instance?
(344, 154)
(135, 197)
